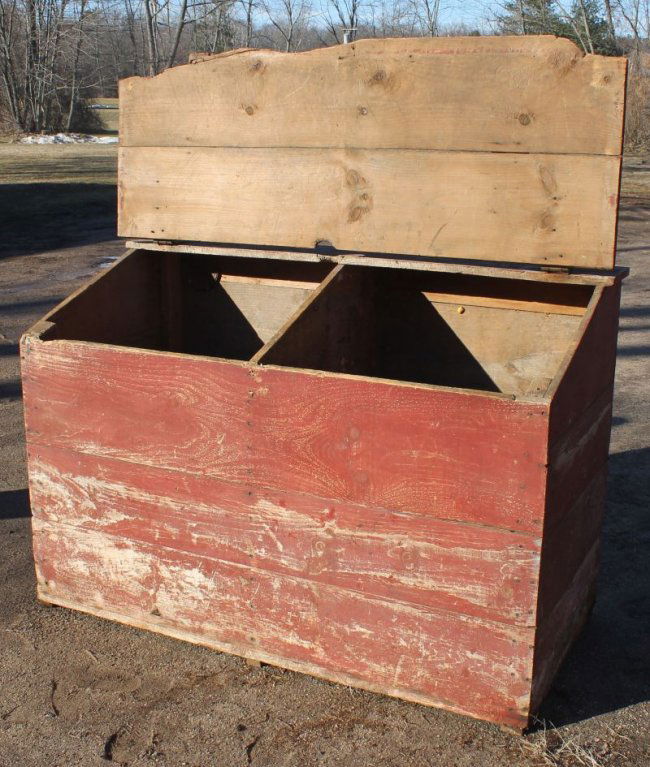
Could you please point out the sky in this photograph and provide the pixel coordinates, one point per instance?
(470, 12)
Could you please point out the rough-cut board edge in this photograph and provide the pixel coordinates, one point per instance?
(43, 332)
(509, 270)
(516, 724)
(531, 93)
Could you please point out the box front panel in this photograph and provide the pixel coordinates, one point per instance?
(363, 536)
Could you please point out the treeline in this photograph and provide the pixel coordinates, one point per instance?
(57, 54)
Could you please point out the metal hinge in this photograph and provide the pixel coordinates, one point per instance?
(555, 269)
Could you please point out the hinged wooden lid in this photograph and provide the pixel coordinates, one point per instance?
(502, 149)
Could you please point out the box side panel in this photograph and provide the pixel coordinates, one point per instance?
(123, 305)
(447, 454)
(580, 425)
(590, 371)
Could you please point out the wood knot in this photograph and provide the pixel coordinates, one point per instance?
(382, 78)
(356, 212)
(524, 119)
(362, 111)
(353, 178)
(250, 109)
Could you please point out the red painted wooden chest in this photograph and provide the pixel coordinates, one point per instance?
(345, 405)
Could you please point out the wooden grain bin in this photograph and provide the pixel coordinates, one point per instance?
(381, 461)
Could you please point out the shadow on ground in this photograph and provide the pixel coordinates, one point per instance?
(55, 215)
(607, 668)
(14, 504)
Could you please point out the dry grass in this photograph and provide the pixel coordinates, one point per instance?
(552, 748)
(55, 194)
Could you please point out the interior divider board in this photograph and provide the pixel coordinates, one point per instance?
(517, 94)
(477, 571)
(313, 335)
(541, 209)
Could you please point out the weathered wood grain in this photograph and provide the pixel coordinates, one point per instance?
(555, 636)
(567, 541)
(501, 270)
(448, 454)
(546, 209)
(473, 666)
(471, 569)
(123, 305)
(588, 368)
(517, 94)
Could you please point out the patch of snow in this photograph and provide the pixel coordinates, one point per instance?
(69, 138)
(108, 262)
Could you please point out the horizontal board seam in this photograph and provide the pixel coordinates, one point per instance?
(369, 149)
(534, 536)
(514, 630)
(325, 374)
(164, 628)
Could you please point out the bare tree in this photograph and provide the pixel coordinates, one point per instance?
(288, 18)
(249, 7)
(341, 15)
(427, 15)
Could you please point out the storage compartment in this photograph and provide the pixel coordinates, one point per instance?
(455, 330)
(219, 307)
(469, 332)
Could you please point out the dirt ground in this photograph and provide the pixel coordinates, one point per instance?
(76, 690)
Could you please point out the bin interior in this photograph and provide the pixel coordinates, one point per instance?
(456, 330)
(218, 307)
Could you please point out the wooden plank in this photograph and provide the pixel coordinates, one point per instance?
(497, 94)
(543, 209)
(415, 559)
(467, 665)
(91, 313)
(589, 365)
(554, 638)
(538, 307)
(506, 270)
(267, 282)
(334, 330)
(446, 453)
